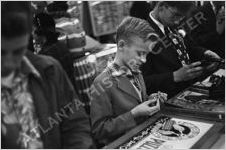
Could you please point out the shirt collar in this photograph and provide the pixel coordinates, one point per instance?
(117, 70)
(213, 7)
(17, 76)
(160, 25)
(7, 81)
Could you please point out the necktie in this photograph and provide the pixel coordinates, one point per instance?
(167, 31)
(135, 81)
(178, 43)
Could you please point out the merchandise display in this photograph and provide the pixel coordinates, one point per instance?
(204, 97)
(106, 15)
(113, 75)
(167, 131)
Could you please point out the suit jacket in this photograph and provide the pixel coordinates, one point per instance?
(112, 98)
(158, 69)
(206, 34)
(60, 52)
(52, 93)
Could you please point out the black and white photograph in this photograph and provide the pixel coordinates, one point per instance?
(112, 74)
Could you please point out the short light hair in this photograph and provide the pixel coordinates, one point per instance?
(131, 26)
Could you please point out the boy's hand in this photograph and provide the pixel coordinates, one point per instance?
(144, 109)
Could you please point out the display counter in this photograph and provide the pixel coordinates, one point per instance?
(187, 132)
(195, 124)
(206, 98)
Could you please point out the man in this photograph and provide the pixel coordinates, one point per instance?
(211, 32)
(118, 95)
(171, 67)
(39, 108)
(46, 39)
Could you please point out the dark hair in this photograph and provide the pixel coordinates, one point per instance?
(182, 6)
(44, 21)
(57, 6)
(16, 18)
(131, 26)
(58, 9)
(45, 26)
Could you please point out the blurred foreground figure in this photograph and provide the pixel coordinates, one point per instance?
(39, 108)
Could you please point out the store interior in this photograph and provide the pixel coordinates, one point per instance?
(85, 33)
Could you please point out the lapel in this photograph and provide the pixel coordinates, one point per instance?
(37, 90)
(38, 87)
(209, 12)
(126, 86)
(143, 89)
(155, 27)
(169, 54)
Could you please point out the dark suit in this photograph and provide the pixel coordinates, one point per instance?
(110, 108)
(60, 52)
(158, 69)
(205, 34)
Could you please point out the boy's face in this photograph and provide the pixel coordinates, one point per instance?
(12, 52)
(135, 52)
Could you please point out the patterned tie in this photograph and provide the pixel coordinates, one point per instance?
(178, 43)
(135, 81)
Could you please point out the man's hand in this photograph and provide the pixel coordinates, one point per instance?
(212, 66)
(211, 55)
(188, 72)
(145, 109)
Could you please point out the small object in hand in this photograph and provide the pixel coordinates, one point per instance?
(159, 96)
